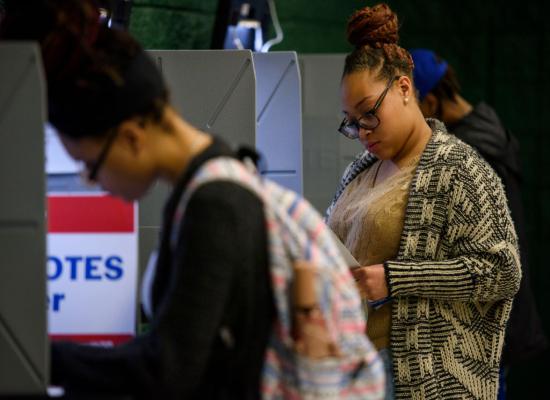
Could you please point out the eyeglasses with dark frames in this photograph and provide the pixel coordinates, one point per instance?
(93, 171)
(369, 121)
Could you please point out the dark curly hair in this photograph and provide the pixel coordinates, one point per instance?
(88, 66)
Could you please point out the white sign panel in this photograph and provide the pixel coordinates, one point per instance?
(58, 160)
(91, 268)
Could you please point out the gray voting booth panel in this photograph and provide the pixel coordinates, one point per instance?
(326, 151)
(279, 117)
(24, 357)
(214, 91)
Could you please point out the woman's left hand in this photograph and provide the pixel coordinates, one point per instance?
(371, 281)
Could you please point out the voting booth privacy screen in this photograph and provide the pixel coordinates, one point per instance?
(243, 97)
(24, 356)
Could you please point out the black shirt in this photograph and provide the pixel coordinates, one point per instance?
(212, 301)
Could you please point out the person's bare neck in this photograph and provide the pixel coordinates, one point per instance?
(180, 146)
(453, 111)
(415, 143)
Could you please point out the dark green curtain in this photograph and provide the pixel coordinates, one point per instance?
(173, 24)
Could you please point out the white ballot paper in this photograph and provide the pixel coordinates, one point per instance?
(350, 260)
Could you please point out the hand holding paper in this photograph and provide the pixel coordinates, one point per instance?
(371, 281)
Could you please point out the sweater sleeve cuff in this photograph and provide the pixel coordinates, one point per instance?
(387, 276)
(449, 280)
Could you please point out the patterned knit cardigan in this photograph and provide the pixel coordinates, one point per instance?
(454, 277)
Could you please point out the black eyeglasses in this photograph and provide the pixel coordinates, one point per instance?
(368, 120)
(94, 169)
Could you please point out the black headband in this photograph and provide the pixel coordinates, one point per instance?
(78, 112)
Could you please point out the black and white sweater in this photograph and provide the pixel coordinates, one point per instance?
(455, 274)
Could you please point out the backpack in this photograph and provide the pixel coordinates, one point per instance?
(297, 232)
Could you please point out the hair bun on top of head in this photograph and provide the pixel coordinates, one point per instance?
(377, 27)
(373, 26)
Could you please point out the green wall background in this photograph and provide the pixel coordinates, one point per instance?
(501, 51)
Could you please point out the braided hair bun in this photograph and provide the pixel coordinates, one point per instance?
(373, 26)
(377, 27)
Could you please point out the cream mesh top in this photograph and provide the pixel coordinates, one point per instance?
(368, 219)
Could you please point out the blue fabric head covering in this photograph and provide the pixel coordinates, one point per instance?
(427, 71)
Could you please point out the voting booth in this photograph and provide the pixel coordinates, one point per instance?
(244, 98)
(24, 354)
(326, 151)
(279, 117)
(214, 91)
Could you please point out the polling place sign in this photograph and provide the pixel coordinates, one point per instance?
(91, 268)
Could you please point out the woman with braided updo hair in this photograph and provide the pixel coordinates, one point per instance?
(428, 221)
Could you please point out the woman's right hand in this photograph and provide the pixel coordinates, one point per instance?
(371, 281)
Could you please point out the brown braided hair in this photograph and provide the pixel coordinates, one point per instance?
(373, 31)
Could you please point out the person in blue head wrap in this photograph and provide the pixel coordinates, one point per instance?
(438, 88)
